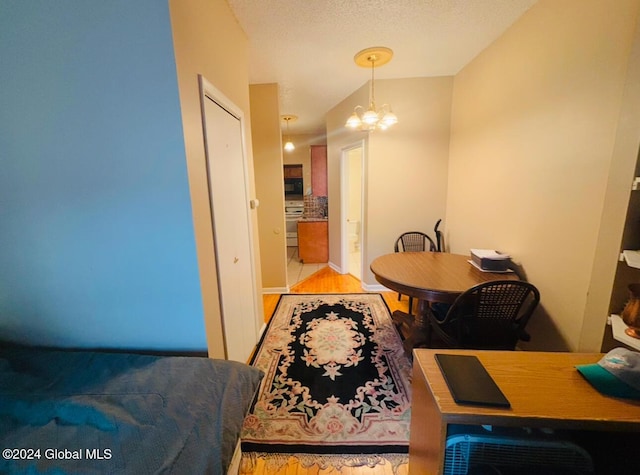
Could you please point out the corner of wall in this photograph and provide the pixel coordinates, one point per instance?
(623, 164)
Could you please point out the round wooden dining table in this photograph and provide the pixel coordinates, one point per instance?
(429, 277)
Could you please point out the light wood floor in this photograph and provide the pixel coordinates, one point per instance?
(327, 281)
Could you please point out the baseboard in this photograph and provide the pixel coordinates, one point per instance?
(276, 290)
(375, 288)
(365, 286)
(336, 268)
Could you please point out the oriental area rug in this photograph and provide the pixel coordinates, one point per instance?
(336, 390)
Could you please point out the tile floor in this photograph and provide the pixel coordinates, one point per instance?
(296, 270)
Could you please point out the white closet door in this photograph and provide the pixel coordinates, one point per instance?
(229, 202)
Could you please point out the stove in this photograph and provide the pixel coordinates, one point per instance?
(293, 208)
(293, 211)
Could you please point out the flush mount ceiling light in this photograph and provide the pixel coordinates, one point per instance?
(288, 146)
(372, 118)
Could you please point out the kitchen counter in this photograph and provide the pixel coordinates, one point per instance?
(313, 240)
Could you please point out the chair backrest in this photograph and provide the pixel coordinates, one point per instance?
(414, 241)
(493, 315)
(439, 237)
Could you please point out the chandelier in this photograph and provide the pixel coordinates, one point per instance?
(372, 118)
(288, 145)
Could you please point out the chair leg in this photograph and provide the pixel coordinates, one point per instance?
(429, 332)
(410, 305)
(399, 296)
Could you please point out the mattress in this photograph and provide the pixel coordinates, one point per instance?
(76, 412)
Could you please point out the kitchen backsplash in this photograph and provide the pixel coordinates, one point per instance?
(315, 206)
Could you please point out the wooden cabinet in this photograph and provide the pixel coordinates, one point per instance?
(319, 170)
(313, 241)
(545, 391)
(293, 171)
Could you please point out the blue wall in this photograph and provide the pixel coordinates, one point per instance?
(96, 235)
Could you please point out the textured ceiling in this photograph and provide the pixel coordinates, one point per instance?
(307, 46)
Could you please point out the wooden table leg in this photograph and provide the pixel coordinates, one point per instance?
(403, 322)
(418, 334)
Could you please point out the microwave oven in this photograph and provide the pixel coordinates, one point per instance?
(293, 186)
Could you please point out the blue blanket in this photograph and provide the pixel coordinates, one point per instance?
(106, 413)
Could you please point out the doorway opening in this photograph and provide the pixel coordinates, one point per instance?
(352, 167)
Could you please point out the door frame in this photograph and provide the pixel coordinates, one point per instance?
(209, 91)
(344, 193)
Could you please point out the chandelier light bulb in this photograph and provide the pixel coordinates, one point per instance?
(354, 121)
(372, 118)
(389, 119)
(289, 146)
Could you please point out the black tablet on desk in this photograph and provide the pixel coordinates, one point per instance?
(469, 381)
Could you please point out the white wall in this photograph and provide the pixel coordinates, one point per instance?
(534, 124)
(208, 40)
(405, 167)
(339, 138)
(267, 158)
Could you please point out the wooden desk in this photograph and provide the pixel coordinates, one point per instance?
(428, 277)
(544, 389)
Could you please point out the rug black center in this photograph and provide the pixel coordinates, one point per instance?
(336, 379)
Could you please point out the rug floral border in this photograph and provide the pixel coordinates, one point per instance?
(352, 333)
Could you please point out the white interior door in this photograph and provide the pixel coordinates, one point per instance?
(226, 166)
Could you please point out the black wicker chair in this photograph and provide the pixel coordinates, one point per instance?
(492, 315)
(414, 241)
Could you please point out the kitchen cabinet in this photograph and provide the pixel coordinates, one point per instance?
(293, 171)
(319, 170)
(313, 241)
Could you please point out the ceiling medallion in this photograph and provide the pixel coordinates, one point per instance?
(372, 118)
